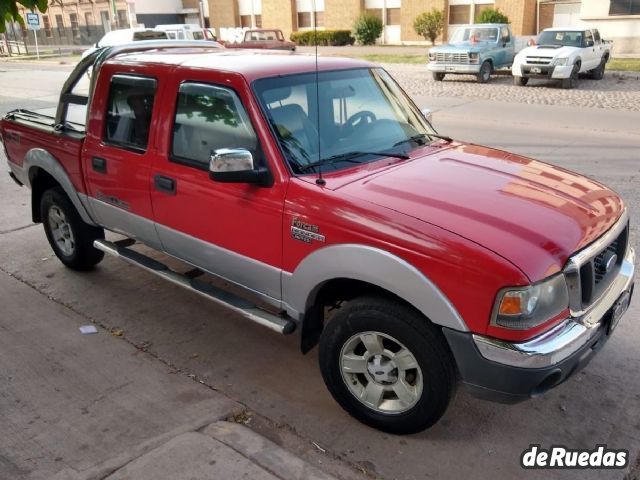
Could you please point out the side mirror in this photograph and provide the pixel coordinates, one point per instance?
(590, 43)
(427, 114)
(235, 165)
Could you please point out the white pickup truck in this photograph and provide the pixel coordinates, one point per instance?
(562, 54)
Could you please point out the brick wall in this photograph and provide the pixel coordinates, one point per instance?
(411, 9)
(223, 13)
(341, 14)
(280, 14)
(521, 13)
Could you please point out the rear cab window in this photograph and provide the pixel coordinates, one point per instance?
(209, 118)
(129, 110)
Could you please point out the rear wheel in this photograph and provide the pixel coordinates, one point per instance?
(437, 76)
(520, 81)
(387, 366)
(70, 238)
(598, 72)
(484, 75)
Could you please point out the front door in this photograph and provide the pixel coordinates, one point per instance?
(233, 230)
(116, 156)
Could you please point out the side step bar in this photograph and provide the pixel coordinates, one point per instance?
(221, 297)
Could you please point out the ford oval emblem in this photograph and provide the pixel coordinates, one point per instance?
(611, 262)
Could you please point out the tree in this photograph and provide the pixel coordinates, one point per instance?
(367, 29)
(429, 24)
(9, 10)
(492, 15)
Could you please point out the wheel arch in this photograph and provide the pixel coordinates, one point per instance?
(44, 171)
(349, 270)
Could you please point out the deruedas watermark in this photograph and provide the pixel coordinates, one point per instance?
(559, 456)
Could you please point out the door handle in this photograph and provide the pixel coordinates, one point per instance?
(99, 164)
(165, 184)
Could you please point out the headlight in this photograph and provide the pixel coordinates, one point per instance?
(560, 61)
(474, 57)
(432, 56)
(528, 307)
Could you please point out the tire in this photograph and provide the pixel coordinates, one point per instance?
(572, 81)
(484, 75)
(70, 238)
(598, 72)
(425, 391)
(520, 81)
(437, 76)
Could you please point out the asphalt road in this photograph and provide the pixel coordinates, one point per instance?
(266, 372)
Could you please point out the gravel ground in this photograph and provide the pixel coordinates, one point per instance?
(618, 90)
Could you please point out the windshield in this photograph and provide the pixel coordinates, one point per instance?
(360, 110)
(561, 38)
(474, 35)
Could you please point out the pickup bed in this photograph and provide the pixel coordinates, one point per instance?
(563, 54)
(322, 195)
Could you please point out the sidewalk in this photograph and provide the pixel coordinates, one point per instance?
(93, 406)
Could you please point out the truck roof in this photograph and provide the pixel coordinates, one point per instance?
(252, 64)
(567, 29)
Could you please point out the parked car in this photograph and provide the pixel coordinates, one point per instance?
(562, 54)
(315, 187)
(125, 35)
(183, 31)
(474, 50)
(262, 38)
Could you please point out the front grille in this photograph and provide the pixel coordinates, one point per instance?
(597, 272)
(539, 60)
(452, 58)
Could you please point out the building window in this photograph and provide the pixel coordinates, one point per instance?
(304, 20)
(393, 16)
(74, 24)
(47, 26)
(624, 7)
(245, 21)
(479, 8)
(258, 21)
(122, 19)
(104, 18)
(88, 20)
(319, 19)
(459, 14)
(59, 24)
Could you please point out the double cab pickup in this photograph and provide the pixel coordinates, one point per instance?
(323, 196)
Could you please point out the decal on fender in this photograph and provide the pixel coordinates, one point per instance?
(305, 232)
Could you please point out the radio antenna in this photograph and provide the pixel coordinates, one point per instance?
(319, 181)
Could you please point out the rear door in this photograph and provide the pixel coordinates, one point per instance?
(591, 54)
(233, 230)
(118, 150)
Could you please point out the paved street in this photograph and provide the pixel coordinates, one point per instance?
(267, 374)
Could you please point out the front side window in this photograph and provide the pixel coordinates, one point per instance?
(209, 118)
(359, 110)
(129, 110)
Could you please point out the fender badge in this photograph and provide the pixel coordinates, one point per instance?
(305, 232)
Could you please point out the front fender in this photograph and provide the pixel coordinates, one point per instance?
(40, 158)
(371, 265)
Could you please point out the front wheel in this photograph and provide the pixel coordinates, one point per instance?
(437, 76)
(387, 365)
(484, 75)
(70, 238)
(520, 81)
(572, 81)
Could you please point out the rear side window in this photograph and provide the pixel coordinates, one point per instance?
(588, 36)
(209, 118)
(596, 36)
(129, 111)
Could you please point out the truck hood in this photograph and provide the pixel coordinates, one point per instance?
(533, 214)
(461, 48)
(551, 52)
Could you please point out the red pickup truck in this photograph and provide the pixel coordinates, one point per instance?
(333, 208)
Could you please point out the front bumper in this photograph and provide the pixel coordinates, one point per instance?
(550, 72)
(453, 68)
(511, 372)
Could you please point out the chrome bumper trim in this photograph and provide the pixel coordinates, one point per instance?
(453, 67)
(566, 338)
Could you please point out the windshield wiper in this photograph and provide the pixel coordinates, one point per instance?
(351, 157)
(421, 136)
